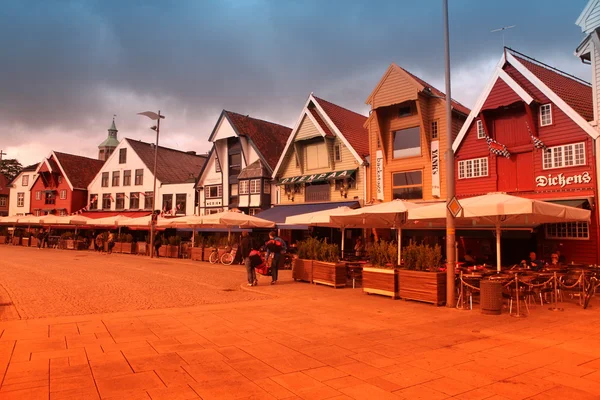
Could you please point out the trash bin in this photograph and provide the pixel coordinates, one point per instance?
(491, 297)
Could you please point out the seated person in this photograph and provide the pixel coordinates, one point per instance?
(469, 259)
(561, 258)
(555, 261)
(533, 263)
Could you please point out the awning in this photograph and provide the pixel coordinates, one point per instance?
(279, 213)
(104, 214)
(347, 173)
(577, 203)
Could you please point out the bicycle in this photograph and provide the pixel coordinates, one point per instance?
(225, 258)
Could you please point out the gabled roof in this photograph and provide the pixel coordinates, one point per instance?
(173, 166)
(267, 137)
(333, 120)
(79, 171)
(29, 168)
(590, 7)
(570, 94)
(420, 86)
(255, 170)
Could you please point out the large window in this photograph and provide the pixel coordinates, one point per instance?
(233, 190)
(407, 142)
(120, 203)
(180, 203)
(139, 176)
(213, 192)
(50, 198)
(473, 168)
(244, 187)
(127, 177)
(105, 179)
(167, 202)
(93, 201)
(255, 186)
(25, 180)
(317, 156)
(122, 156)
(116, 178)
(317, 192)
(568, 230)
(134, 200)
(235, 164)
(568, 155)
(407, 185)
(546, 115)
(148, 196)
(20, 199)
(106, 201)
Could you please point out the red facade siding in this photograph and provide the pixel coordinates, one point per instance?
(501, 95)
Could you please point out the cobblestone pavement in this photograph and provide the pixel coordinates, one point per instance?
(301, 341)
(48, 283)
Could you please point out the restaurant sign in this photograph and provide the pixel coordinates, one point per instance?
(214, 202)
(318, 177)
(562, 180)
(435, 168)
(379, 174)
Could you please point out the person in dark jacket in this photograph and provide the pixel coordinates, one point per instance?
(277, 247)
(157, 244)
(245, 248)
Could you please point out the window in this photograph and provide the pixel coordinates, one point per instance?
(134, 200)
(568, 230)
(59, 179)
(266, 187)
(317, 156)
(38, 195)
(122, 156)
(434, 129)
(127, 177)
(167, 202)
(317, 192)
(120, 203)
(255, 186)
(50, 198)
(473, 168)
(243, 187)
(2, 201)
(407, 142)
(337, 152)
(407, 185)
(62, 213)
(25, 180)
(546, 115)
(213, 192)
(116, 178)
(139, 176)
(568, 155)
(254, 211)
(63, 194)
(217, 165)
(480, 131)
(210, 211)
(180, 203)
(148, 197)
(93, 201)
(105, 179)
(404, 111)
(106, 201)
(235, 164)
(233, 189)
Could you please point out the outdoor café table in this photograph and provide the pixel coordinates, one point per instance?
(354, 269)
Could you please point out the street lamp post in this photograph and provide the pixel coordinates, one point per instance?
(156, 117)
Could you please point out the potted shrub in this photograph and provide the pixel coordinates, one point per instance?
(126, 242)
(33, 240)
(420, 277)
(198, 250)
(326, 268)
(173, 247)
(303, 264)
(67, 242)
(3, 234)
(142, 246)
(25, 238)
(381, 277)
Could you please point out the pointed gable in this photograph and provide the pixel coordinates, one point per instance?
(79, 171)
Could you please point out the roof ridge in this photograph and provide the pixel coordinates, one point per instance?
(75, 155)
(532, 60)
(256, 119)
(337, 105)
(166, 148)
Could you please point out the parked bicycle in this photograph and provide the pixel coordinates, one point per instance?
(225, 258)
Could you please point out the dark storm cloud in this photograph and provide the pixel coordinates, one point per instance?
(69, 65)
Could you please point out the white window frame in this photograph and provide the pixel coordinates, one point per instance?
(38, 195)
(473, 168)
(25, 180)
(480, 131)
(568, 231)
(3, 201)
(21, 199)
(219, 192)
(551, 161)
(255, 186)
(434, 129)
(243, 187)
(337, 152)
(546, 111)
(63, 194)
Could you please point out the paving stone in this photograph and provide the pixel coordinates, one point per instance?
(114, 386)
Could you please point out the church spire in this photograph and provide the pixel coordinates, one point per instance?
(106, 148)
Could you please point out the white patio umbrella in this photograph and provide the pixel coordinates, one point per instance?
(10, 220)
(140, 222)
(29, 220)
(75, 220)
(108, 221)
(500, 210)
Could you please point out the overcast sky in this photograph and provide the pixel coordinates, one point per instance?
(68, 66)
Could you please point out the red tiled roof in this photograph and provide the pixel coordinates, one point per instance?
(576, 93)
(351, 125)
(320, 121)
(78, 170)
(268, 137)
(173, 166)
(103, 214)
(455, 104)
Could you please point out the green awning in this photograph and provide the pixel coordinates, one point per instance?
(347, 173)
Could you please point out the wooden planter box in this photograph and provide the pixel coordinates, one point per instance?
(70, 244)
(162, 251)
(25, 242)
(196, 253)
(331, 274)
(380, 281)
(16, 241)
(172, 251)
(126, 248)
(33, 241)
(302, 270)
(142, 248)
(428, 287)
(117, 248)
(2, 239)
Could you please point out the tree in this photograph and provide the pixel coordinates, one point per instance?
(10, 168)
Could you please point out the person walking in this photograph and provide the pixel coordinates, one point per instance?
(40, 238)
(100, 242)
(277, 247)
(111, 242)
(157, 244)
(245, 248)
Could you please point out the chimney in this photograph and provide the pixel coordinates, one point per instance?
(191, 152)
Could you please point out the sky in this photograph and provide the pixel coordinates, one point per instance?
(69, 66)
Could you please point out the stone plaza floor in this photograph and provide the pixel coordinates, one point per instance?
(190, 330)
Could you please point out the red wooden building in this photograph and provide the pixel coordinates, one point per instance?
(61, 185)
(529, 135)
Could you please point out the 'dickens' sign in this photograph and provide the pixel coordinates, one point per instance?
(562, 180)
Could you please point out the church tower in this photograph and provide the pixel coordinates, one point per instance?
(106, 148)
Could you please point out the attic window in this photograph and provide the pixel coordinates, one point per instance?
(405, 111)
(337, 151)
(480, 130)
(546, 115)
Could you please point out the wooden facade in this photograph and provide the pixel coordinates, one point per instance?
(399, 103)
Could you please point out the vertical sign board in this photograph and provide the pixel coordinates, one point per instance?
(379, 174)
(435, 168)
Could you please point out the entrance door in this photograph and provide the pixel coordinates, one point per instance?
(515, 174)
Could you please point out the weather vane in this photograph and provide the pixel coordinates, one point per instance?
(504, 28)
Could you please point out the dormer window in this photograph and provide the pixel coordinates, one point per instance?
(405, 111)
(546, 115)
(480, 131)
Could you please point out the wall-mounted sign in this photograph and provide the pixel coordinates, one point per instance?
(214, 202)
(435, 168)
(318, 177)
(379, 174)
(562, 180)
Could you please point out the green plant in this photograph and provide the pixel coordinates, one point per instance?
(199, 240)
(422, 257)
(383, 254)
(66, 235)
(129, 238)
(314, 249)
(174, 240)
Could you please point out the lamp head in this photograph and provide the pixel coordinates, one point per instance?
(154, 128)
